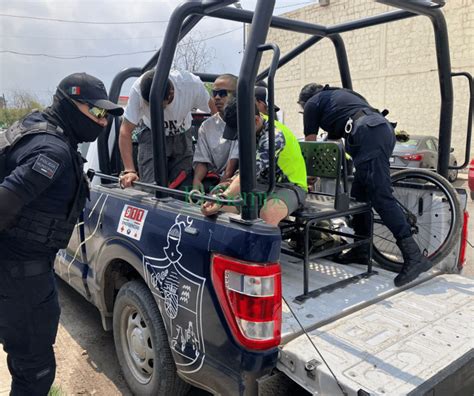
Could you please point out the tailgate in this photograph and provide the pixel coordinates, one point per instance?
(406, 343)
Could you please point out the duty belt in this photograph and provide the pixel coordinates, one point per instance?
(359, 114)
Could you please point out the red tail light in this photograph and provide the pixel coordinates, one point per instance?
(250, 296)
(413, 157)
(464, 235)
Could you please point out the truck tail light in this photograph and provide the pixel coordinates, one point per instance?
(413, 157)
(250, 296)
(464, 235)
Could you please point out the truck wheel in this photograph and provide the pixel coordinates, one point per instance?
(142, 345)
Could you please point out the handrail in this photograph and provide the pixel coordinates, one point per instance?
(469, 119)
(432, 10)
(91, 173)
(158, 86)
(246, 105)
(271, 111)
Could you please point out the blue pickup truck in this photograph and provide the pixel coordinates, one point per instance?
(217, 303)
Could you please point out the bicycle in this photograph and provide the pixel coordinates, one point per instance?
(432, 208)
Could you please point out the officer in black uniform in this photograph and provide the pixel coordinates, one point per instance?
(369, 139)
(42, 192)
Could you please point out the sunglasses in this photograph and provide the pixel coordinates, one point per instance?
(97, 112)
(221, 92)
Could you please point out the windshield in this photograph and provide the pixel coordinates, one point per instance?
(410, 144)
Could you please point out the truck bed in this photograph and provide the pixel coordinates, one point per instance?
(375, 337)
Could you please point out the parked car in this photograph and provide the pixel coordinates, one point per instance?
(421, 152)
(470, 178)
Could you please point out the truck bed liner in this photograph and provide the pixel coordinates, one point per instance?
(318, 311)
(393, 346)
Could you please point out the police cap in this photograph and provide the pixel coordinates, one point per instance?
(86, 88)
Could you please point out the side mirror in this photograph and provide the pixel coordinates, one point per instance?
(452, 150)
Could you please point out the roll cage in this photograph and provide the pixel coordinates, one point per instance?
(188, 14)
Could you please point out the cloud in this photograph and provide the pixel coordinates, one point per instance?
(40, 75)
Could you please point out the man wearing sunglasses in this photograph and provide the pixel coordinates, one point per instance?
(42, 193)
(184, 92)
(214, 154)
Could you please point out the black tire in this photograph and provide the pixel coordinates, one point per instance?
(147, 363)
(388, 261)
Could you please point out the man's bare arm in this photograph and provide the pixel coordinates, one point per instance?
(230, 168)
(126, 152)
(200, 172)
(125, 144)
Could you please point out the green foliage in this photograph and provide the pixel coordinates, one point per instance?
(56, 391)
(20, 104)
(9, 116)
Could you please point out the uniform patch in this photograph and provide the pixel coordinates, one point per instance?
(46, 166)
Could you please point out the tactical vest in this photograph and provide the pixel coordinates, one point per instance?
(49, 229)
(290, 160)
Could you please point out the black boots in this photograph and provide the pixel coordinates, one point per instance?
(357, 255)
(414, 262)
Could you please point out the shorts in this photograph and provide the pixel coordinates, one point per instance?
(292, 195)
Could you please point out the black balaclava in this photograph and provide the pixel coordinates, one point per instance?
(77, 126)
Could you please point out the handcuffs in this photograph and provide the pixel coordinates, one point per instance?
(349, 126)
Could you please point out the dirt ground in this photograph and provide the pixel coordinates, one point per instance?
(86, 359)
(87, 364)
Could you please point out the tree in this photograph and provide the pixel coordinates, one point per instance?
(23, 102)
(193, 54)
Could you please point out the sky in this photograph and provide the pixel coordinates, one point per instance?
(36, 36)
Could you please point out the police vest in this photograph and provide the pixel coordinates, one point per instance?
(50, 229)
(290, 159)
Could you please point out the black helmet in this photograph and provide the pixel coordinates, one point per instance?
(308, 91)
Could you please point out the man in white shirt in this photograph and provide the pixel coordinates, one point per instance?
(214, 154)
(184, 92)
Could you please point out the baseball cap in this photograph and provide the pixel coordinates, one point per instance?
(86, 88)
(261, 95)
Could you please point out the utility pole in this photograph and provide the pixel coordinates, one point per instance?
(239, 6)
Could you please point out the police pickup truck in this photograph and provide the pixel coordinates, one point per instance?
(222, 304)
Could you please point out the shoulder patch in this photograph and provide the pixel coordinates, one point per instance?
(45, 166)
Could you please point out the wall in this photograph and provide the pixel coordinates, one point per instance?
(393, 65)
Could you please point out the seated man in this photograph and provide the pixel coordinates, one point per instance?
(184, 92)
(214, 154)
(290, 173)
(261, 100)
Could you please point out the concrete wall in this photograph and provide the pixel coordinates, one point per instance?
(393, 65)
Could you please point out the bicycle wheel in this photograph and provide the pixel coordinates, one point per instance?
(432, 209)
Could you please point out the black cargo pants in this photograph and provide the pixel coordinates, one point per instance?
(29, 318)
(371, 144)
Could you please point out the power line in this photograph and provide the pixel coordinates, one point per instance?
(295, 5)
(115, 23)
(106, 55)
(80, 22)
(82, 38)
(76, 56)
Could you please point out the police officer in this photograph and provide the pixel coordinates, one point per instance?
(42, 192)
(370, 140)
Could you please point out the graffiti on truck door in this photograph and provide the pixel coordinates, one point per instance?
(179, 293)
